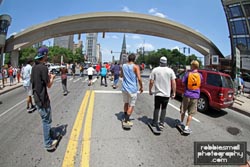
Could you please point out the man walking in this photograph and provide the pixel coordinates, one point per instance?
(131, 76)
(192, 82)
(116, 72)
(64, 72)
(41, 80)
(26, 74)
(163, 80)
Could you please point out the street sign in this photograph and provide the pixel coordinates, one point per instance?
(237, 57)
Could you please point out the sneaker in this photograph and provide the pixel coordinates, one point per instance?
(161, 125)
(28, 110)
(31, 109)
(129, 123)
(53, 145)
(187, 130)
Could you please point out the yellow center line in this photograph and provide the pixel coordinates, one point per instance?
(69, 157)
(87, 133)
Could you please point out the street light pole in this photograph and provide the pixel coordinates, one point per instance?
(5, 21)
(184, 52)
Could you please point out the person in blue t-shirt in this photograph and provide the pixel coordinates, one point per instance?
(103, 74)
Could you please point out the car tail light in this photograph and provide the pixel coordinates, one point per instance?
(221, 96)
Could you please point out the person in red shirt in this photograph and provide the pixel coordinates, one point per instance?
(10, 73)
(98, 68)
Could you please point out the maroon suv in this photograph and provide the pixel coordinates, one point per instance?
(217, 90)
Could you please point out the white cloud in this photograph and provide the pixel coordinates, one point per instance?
(160, 15)
(176, 47)
(14, 33)
(133, 36)
(114, 37)
(126, 9)
(111, 36)
(154, 11)
(147, 46)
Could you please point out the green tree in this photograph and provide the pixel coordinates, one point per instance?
(27, 54)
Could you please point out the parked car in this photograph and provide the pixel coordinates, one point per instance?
(53, 68)
(246, 77)
(217, 90)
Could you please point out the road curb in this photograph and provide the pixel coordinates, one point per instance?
(8, 90)
(240, 111)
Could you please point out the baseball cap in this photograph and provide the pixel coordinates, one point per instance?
(163, 60)
(41, 52)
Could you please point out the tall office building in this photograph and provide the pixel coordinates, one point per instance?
(98, 53)
(238, 18)
(65, 42)
(91, 44)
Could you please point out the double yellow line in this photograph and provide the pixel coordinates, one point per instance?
(70, 154)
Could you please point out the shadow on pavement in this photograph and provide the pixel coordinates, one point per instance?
(144, 119)
(214, 113)
(170, 122)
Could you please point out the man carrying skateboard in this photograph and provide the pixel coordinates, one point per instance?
(163, 80)
(131, 76)
(41, 80)
(192, 82)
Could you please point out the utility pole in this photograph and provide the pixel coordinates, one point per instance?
(5, 21)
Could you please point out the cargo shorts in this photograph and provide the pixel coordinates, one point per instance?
(190, 105)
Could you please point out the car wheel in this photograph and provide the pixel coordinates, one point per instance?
(202, 104)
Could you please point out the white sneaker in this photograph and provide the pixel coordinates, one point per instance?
(53, 145)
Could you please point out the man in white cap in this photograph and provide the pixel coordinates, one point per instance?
(41, 80)
(163, 80)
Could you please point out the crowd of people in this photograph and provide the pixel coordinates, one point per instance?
(37, 79)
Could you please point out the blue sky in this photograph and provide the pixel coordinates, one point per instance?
(205, 16)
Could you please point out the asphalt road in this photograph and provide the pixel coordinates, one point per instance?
(93, 135)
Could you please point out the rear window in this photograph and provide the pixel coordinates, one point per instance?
(227, 82)
(219, 80)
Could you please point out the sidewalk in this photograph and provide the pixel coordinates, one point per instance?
(8, 88)
(241, 103)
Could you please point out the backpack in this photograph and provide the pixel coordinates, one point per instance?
(194, 81)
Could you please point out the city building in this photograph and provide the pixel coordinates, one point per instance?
(65, 42)
(123, 55)
(238, 18)
(98, 53)
(91, 44)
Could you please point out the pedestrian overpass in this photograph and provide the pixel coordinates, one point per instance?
(111, 22)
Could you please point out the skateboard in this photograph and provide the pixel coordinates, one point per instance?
(156, 130)
(125, 126)
(55, 135)
(181, 127)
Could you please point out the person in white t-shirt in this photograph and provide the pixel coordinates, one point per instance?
(163, 80)
(26, 74)
(90, 72)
